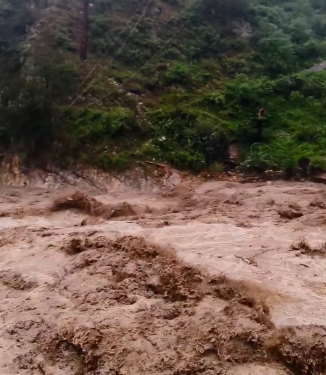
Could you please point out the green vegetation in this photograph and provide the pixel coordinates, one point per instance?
(179, 83)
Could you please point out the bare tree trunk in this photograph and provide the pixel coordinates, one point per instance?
(84, 37)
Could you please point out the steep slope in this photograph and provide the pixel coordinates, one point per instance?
(170, 80)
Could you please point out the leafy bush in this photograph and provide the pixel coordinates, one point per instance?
(183, 74)
(64, 42)
(118, 162)
(187, 139)
(179, 74)
(90, 126)
(283, 154)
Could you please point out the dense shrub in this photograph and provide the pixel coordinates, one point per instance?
(177, 82)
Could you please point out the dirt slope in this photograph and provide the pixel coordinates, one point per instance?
(225, 278)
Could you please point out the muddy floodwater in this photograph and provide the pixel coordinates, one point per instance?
(220, 278)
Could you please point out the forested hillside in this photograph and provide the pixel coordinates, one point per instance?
(166, 80)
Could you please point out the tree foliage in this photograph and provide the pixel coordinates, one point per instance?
(200, 70)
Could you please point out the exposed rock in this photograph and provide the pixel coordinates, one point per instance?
(290, 214)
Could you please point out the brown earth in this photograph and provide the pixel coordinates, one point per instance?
(207, 279)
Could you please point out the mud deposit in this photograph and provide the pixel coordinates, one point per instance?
(222, 278)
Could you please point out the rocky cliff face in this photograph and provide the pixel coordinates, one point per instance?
(143, 178)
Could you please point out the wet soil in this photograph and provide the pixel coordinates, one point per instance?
(220, 278)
